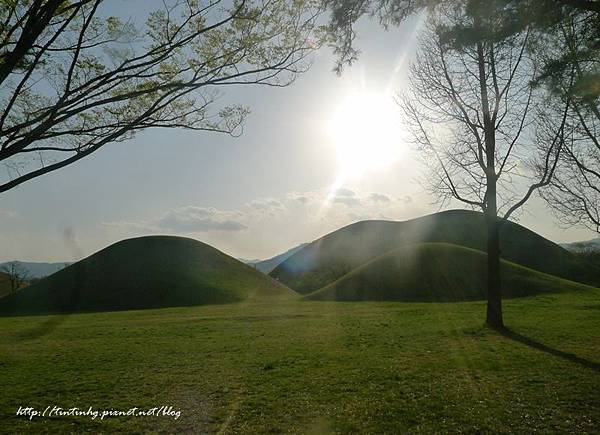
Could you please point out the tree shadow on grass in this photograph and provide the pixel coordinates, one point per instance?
(550, 350)
(41, 329)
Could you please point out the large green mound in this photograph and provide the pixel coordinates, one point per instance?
(436, 272)
(146, 272)
(336, 254)
(4, 284)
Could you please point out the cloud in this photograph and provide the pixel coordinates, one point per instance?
(131, 226)
(379, 197)
(363, 204)
(200, 219)
(350, 202)
(302, 197)
(188, 219)
(347, 197)
(345, 192)
(314, 207)
(270, 205)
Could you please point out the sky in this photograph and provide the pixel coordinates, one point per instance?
(290, 178)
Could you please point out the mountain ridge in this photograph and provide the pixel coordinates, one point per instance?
(267, 265)
(36, 269)
(592, 245)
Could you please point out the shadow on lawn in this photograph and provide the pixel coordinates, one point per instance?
(41, 329)
(541, 346)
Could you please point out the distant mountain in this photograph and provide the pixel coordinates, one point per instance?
(37, 270)
(146, 272)
(331, 257)
(592, 245)
(249, 262)
(266, 266)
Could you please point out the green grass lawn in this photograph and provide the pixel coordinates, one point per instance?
(312, 367)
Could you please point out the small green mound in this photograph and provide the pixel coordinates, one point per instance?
(436, 272)
(145, 272)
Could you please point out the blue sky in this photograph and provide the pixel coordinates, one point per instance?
(252, 196)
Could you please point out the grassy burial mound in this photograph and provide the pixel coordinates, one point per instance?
(336, 254)
(436, 272)
(5, 287)
(146, 272)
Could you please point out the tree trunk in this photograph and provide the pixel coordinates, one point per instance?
(494, 295)
(494, 289)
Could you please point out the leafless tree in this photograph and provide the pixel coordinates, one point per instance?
(574, 192)
(473, 114)
(74, 78)
(17, 275)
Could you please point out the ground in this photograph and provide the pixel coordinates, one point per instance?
(312, 367)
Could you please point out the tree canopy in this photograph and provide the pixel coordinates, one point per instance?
(517, 14)
(75, 77)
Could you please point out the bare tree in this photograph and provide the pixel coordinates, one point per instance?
(473, 113)
(74, 78)
(17, 275)
(490, 137)
(574, 192)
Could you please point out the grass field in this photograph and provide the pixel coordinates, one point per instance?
(312, 367)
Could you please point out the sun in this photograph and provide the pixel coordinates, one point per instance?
(365, 130)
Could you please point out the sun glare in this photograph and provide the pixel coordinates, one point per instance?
(366, 133)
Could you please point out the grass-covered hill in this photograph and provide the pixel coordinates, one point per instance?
(146, 272)
(4, 284)
(436, 272)
(340, 252)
